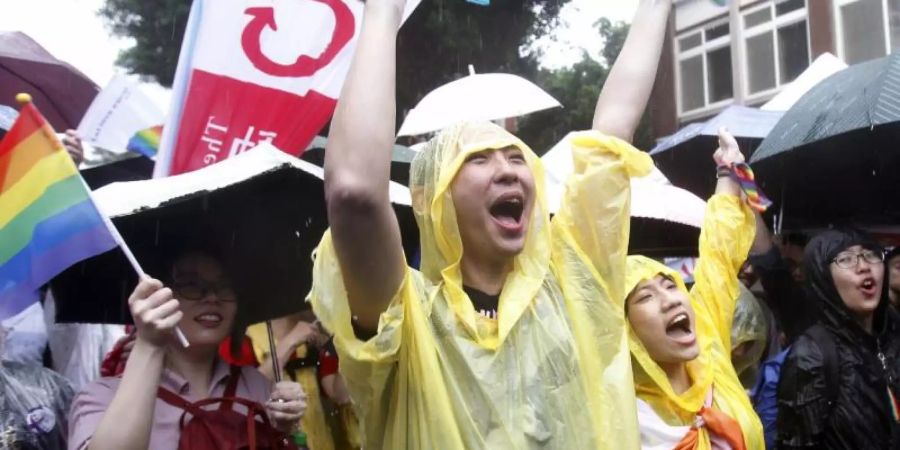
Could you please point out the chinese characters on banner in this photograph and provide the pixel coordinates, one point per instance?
(254, 71)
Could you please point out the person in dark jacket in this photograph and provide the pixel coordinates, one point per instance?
(892, 262)
(838, 383)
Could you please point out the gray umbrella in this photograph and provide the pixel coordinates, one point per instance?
(832, 159)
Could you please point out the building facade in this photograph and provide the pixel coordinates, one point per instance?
(724, 52)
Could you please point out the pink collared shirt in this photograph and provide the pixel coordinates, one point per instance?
(93, 400)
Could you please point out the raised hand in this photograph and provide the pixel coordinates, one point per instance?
(155, 312)
(73, 146)
(728, 153)
(726, 156)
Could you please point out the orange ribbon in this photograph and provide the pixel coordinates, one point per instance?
(718, 424)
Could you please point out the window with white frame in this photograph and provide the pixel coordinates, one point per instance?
(776, 45)
(866, 29)
(704, 67)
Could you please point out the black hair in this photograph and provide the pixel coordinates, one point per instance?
(211, 249)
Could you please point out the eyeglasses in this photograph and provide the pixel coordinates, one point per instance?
(198, 290)
(850, 260)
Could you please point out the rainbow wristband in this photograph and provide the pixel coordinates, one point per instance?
(743, 175)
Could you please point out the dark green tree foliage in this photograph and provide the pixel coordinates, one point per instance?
(157, 27)
(443, 37)
(577, 89)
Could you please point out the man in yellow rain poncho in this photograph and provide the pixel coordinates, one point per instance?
(689, 396)
(506, 338)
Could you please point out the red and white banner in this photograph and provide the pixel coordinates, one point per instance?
(255, 71)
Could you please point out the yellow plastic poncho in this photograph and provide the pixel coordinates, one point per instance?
(727, 233)
(553, 371)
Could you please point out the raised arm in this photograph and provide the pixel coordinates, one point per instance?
(725, 239)
(128, 419)
(357, 169)
(624, 96)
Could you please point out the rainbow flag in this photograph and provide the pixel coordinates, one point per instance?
(47, 218)
(146, 141)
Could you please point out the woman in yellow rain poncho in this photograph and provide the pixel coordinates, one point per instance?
(689, 396)
(505, 339)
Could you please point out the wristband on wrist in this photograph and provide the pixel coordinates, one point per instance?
(723, 172)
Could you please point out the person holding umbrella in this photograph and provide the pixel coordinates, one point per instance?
(504, 338)
(840, 381)
(142, 408)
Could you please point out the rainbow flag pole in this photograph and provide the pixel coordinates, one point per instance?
(48, 218)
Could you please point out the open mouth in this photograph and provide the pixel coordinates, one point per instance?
(507, 210)
(209, 319)
(679, 328)
(868, 287)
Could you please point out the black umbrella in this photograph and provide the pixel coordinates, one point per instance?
(661, 238)
(832, 158)
(263, 211)
(401, 158)
(686, 156)
(60, 91)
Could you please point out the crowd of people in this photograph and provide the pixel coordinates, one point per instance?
(515, 330)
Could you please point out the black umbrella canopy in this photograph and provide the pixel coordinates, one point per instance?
(860, 97)
(661, 238)
(832, 159)
(263, 228)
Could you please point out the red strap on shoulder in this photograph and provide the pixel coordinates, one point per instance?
(178, 402)
(230, 388)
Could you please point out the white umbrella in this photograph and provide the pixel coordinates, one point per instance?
(477, 97)
(823, 67)
(652, 196)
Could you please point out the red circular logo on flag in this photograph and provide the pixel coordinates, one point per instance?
(304, 66)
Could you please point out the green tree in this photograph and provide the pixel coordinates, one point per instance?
(157, 28)
(577, 88)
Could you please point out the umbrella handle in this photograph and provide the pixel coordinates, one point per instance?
(273, 353)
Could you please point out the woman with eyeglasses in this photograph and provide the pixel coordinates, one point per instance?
(134, 411)
(839, 383)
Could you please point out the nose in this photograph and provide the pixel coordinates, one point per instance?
(505, 172)
(670, 300)
(210, 296)
(863, 266)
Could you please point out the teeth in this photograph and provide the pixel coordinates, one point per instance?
(209, 317)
